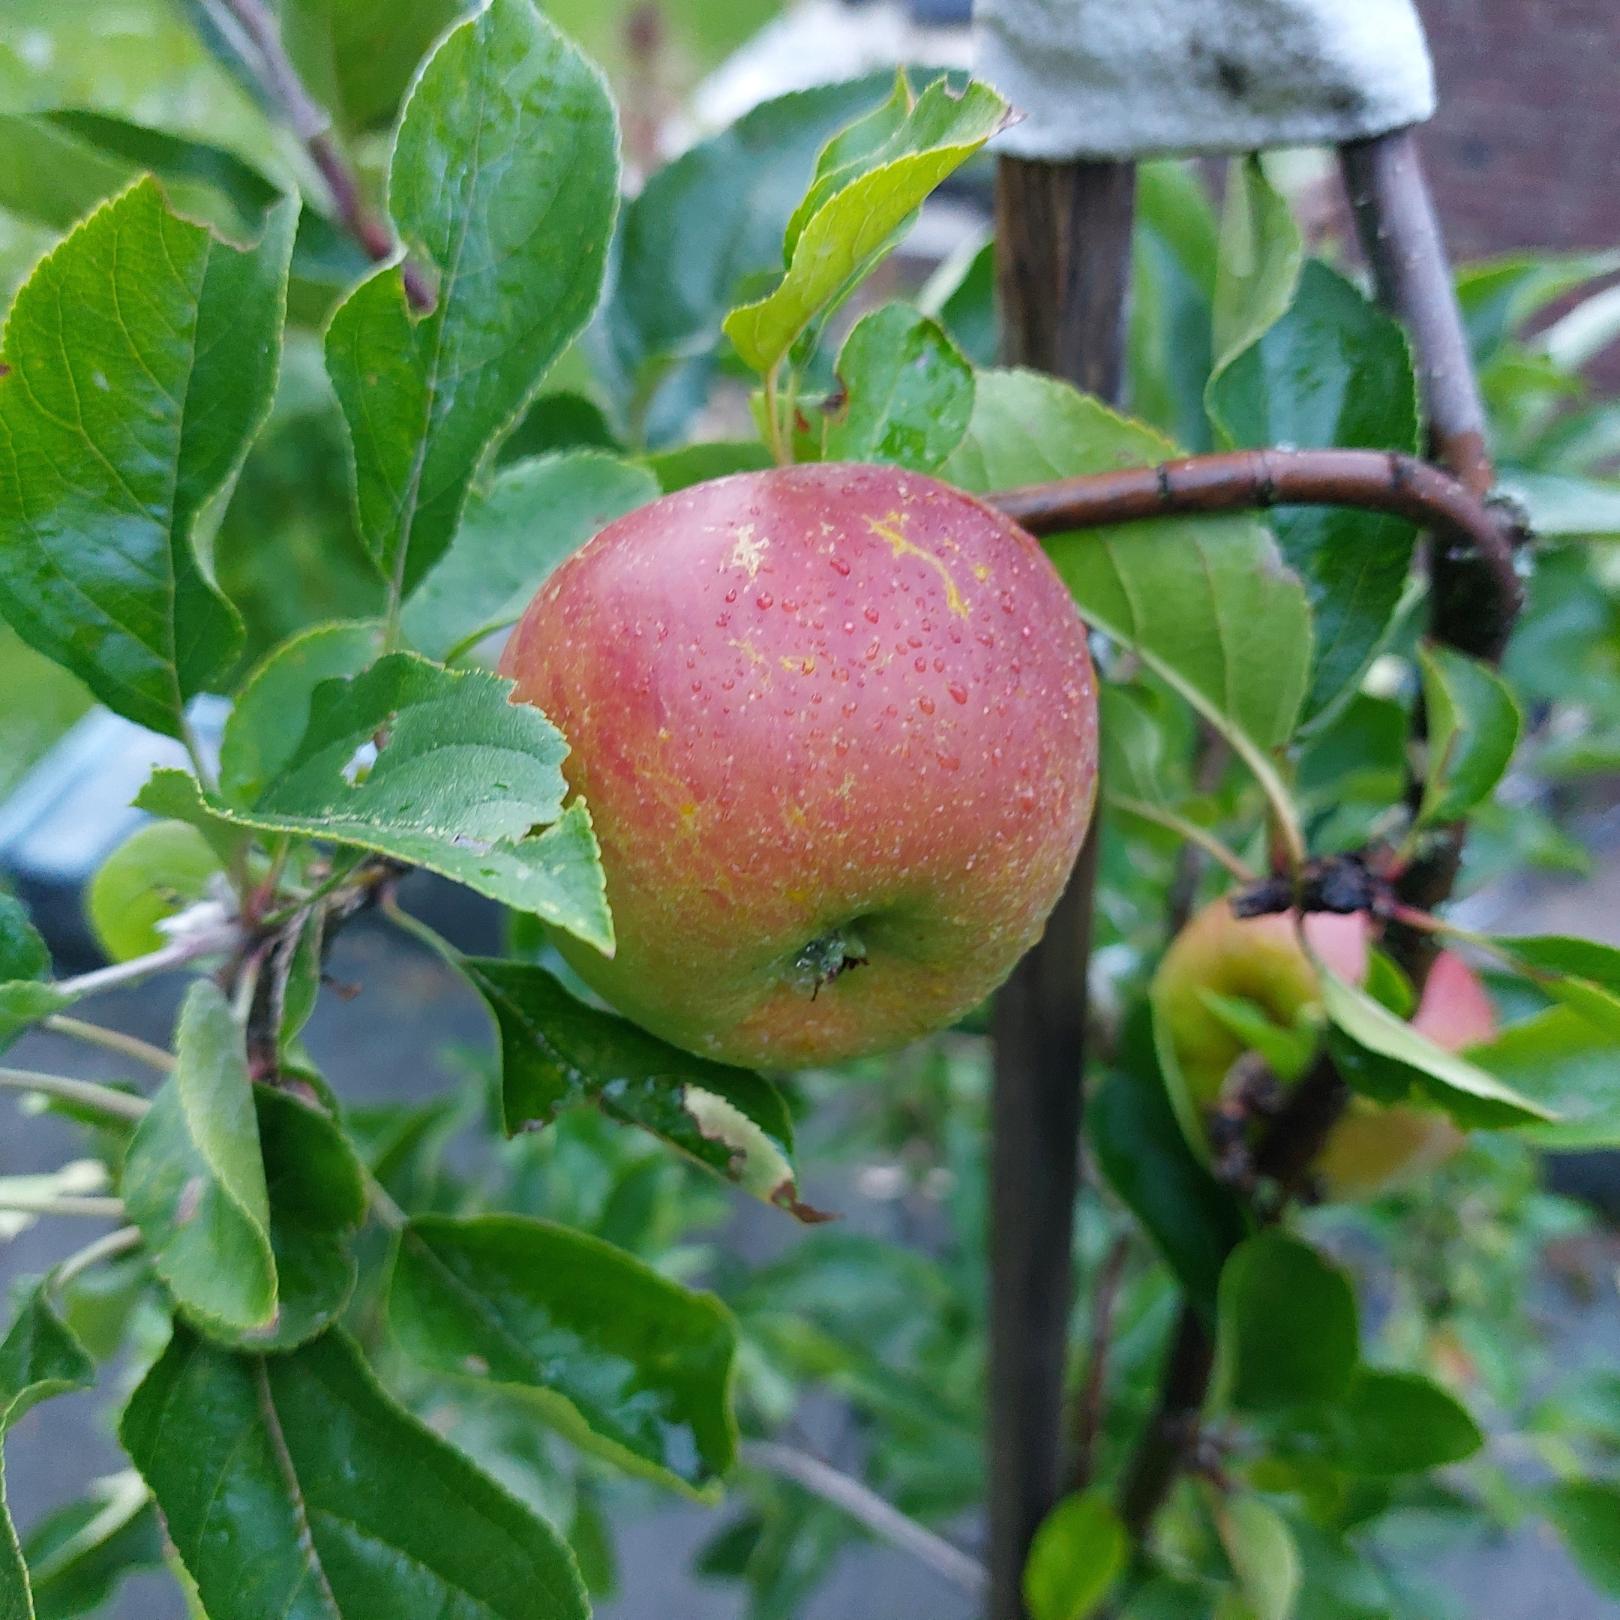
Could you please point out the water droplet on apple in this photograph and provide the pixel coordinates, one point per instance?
(957, 692)
(926, 704)
(839, 566)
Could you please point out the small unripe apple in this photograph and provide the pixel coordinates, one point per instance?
(837, 729)
(1260, 960)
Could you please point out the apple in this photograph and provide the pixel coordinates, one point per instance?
(1260, 960)
(837, 729)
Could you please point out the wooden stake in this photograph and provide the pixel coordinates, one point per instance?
(1062, 269)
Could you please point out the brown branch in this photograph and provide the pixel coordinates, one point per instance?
(255, 36)
(1088, 1406)
(1245, 480)
(1172, 1431)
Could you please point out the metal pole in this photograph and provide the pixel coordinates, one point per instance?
(1063, 249)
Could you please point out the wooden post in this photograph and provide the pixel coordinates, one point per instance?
(1063, 253)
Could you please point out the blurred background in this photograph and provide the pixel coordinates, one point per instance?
(873, 1354)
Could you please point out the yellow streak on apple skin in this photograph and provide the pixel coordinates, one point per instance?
(888, 528)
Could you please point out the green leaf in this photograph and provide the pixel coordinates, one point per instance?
(1562, 506)
(504, 182)
(160, 869)
(1474, 727)
(292, 1486)
(1389, 1060)
(698, 463)
(557, 1052)
(699, 232)
(1261, 251)
(905, 393)
(1075, 1558)
(611, 1353)
(267, 723)
(142, 355)
(359, 56)
(1401, 1423)
(856, 222)
(193, 1179)
(513, 533)
(1587, 1514)
(1566, 1062)
(1288, 1331)
(1206, 602)
(39, 1358)
(1332, 371)
(317, 1202)
(1192, 1219)
(1581, 973)
(78, 1554)
(1261, 1549)
(62, 163)
(23, 952)
(25, 1002)
(457, 787)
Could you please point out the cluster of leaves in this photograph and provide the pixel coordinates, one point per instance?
(201, 352)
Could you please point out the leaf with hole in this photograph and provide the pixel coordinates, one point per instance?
(460, 784)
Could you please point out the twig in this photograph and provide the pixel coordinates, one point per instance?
(1172, 1430)
(188, 948)
(1240, 480)
(1199, 837)
(1088, 1409)
(112, 1040)
(92, 1254)
(867, 1508)
(103, 1099)
(255, 36)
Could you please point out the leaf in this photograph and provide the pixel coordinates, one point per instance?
(193, 1179)
(1563, 506)
(1077, 1555)
(699, 231)
(161, 869)
(23, 951)
(697, 463)
(63, 162)
(39, 1358)
(1332, 371)
(1565, 1061)
(267, 722)
(142, 356)
(856, 223)
(1288, 1331)
(78, 1554)
(557, 1052)
(292, 1486)
(359, 55)
(1206, 602)
(1474, 727)
(317, 1202)
(1401, 1423)
(1192, 1219)
(513, 533)
(458, 786)
(612, 1354)
(1261, 251)
(1388, 1059)
(1587, 1514)
(905, 393)
(1582, 973)
(504, 181)
(1263, 1555)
